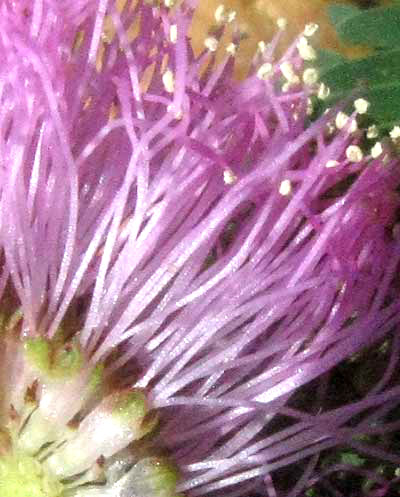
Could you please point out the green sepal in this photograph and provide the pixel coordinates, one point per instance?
(164, 476)
(96, 377)
(67, 360)
(129, 405)
(37, 351)
(23, 476)
(54, 359)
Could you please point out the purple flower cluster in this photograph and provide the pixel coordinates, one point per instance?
(200, 237)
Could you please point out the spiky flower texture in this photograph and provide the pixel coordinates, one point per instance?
(181, 255)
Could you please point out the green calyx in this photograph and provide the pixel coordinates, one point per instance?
(23, 476)
(164, 476)
(129, 405)
(37, 351)
(132, 409)
(53, 359)
(96, 377)
(68, 423)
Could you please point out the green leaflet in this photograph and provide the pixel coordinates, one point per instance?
(378, 27)
(375, 77)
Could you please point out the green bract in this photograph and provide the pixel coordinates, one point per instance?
(59, 436)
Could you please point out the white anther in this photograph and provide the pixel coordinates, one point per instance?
(341, 121)
(330, 128)
(354, 153)
(395, 133)
(168, 80)
(178, 114)
(332, 163)
(323, 91)
(376, 150)
(288, 71)
(229, 177)
(265, 71)
(309, 108)
(281, 22)
(231, 48)
(361, 105)
(305, 50)
(310, 29)
(211, 43)
(173, 33)
(310, 76)
(223, 16)
(372, 132)
(261, 46)
(220, 14)
(285, 187)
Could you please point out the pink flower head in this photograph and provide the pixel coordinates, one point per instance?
(195, 240)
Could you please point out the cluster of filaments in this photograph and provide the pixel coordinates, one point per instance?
(64, 433)
(295, 75)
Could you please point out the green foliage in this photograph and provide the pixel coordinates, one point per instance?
(378, 27)
(352, 458)
(376, 76)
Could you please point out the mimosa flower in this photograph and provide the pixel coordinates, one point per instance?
(181, 254)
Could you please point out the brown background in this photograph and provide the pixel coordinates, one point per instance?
(257, 19)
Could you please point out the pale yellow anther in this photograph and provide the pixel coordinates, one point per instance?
(372, 132)
(168, 80)
(261, 46)
(341, 121)
(331, 163)
(310, 107)
(323, 91)
(223, 16)
(231, 16)
(395, 133)
(354, 153)
(265, 71)
(178, 114)
(305, 50)
(211, 43)
(285, 187)
(220, 14)
(169, 3)
(288, 71)
(229, 177)
(173, 33)
(231, 48)
(330, 128)
(302, 41)
(376, 150)
(281, 22)
(310, 29)
(361, 105)
(310, 76)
